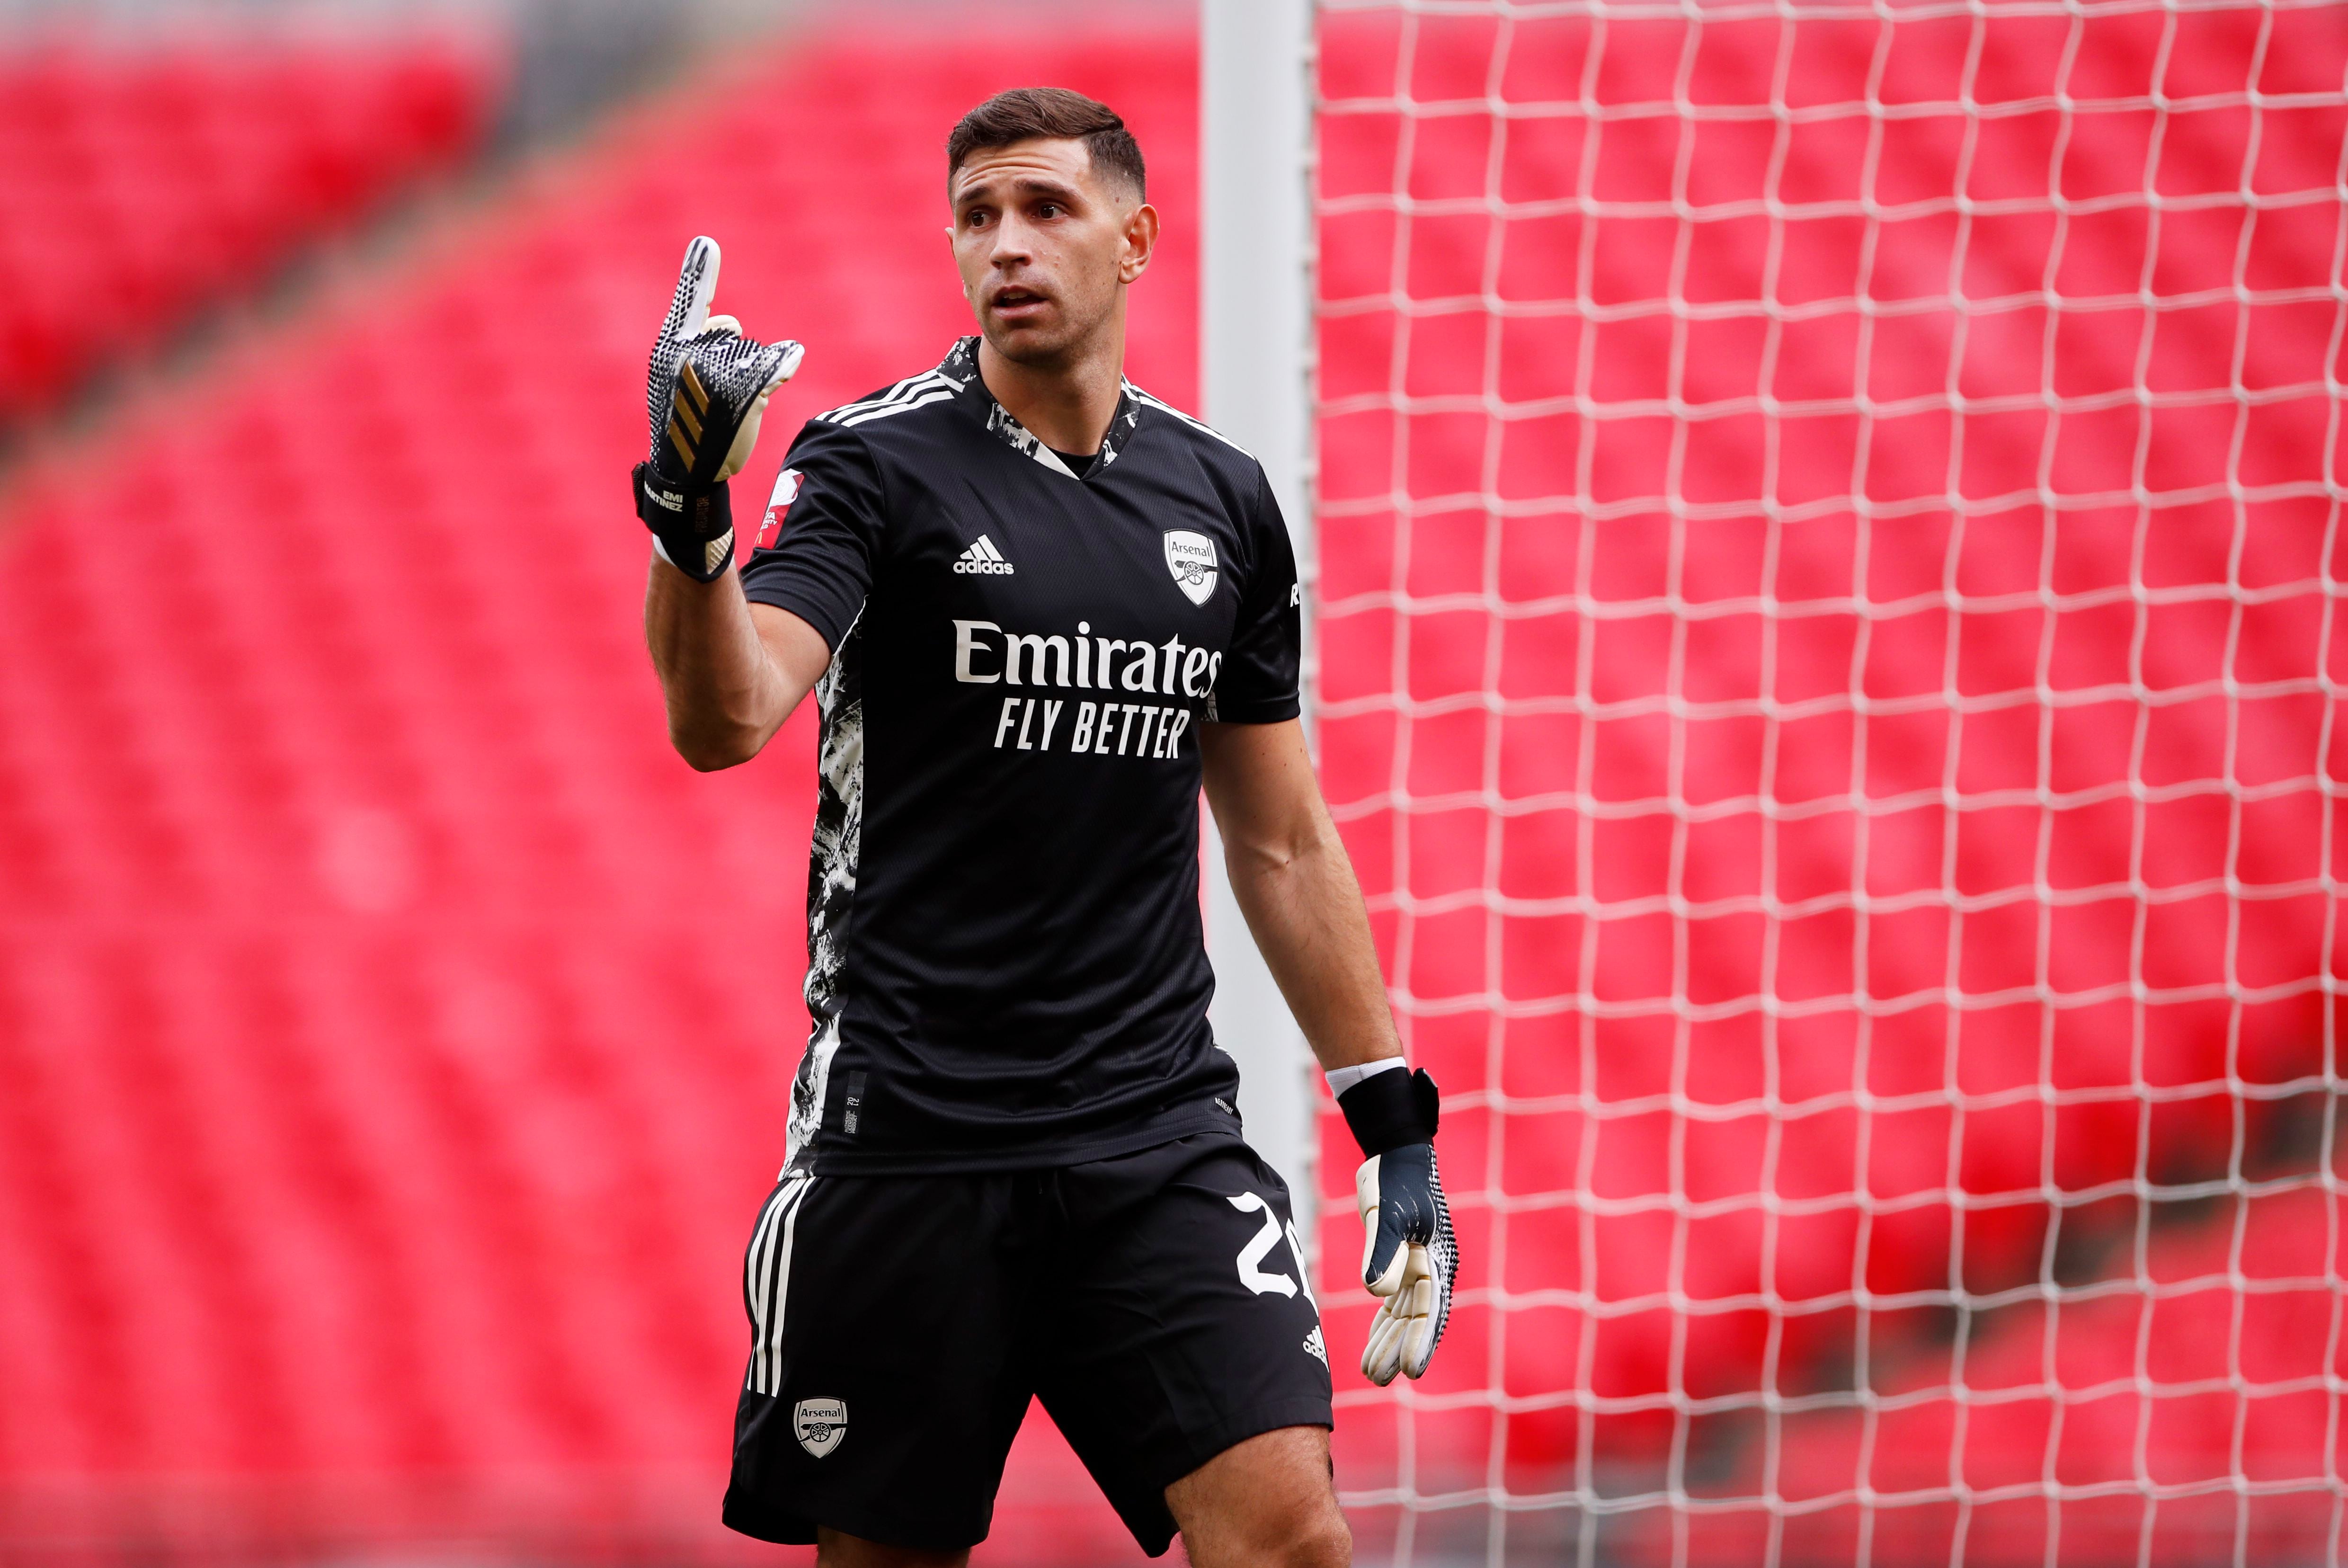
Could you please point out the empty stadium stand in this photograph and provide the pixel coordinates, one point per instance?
(141, 180)
(397, 1033)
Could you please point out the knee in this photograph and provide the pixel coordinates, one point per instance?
(1314, 1538)
(1325, 1541)
(1301, 1538)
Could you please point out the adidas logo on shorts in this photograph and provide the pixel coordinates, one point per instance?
(1316, 1346)
(983, 558)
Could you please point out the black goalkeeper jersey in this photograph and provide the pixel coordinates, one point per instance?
(1005, 961)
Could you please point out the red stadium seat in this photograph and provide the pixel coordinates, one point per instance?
(140, 183)
(397, 1033)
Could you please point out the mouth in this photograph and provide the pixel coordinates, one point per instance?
(1017, 303)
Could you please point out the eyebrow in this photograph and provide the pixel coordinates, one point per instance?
(1024, 184)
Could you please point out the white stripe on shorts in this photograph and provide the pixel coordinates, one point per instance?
(766, 1277)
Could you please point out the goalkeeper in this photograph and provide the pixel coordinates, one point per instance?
(1037, 608)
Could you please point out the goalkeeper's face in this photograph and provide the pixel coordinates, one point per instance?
(1046, 244)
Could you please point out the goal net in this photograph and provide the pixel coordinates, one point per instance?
(1827, 523)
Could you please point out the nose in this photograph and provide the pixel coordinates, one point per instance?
(1014, 241)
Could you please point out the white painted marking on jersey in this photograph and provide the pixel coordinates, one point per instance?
(897, 394)
(937, 395)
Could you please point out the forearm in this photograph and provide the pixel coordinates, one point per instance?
(1295, 885)
(725, 696)
(1306, 910)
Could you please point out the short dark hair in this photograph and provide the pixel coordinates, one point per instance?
(1024, 114)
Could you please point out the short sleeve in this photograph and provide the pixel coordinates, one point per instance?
(1258, 683)
(820, 533)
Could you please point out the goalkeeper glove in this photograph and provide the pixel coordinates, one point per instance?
(706, 394)
(1409, 1256)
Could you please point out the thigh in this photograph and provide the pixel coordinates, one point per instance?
(1272, 1499)
(880, 1396)
(1180, 1323)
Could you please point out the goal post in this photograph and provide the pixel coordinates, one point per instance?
(1256, 345)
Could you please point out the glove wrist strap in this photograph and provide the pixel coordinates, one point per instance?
(1390, 1109)
(695, 527)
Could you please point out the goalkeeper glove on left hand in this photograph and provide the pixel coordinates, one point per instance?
(1409, 1256)
(706, 394)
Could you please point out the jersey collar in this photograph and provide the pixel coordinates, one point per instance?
(960, 367)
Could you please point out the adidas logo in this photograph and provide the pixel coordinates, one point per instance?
(1316, 1346)
(982, 559)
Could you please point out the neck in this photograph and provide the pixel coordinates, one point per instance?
(1066, 405)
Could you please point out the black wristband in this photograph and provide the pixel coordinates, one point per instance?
(1389, 1110)
(684, 521)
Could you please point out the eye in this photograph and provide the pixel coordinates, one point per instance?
(1049, 210)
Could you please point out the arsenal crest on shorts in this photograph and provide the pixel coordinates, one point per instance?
(1191, 558)
(820, 1424)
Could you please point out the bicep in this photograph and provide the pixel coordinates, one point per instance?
(795, 648)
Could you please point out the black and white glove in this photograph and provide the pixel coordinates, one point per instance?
(706, 394)
(1409, 1256)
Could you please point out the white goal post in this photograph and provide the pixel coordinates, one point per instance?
(1256, 339)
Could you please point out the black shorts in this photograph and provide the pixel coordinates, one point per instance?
(1154, 1302)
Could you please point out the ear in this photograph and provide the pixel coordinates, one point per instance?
(1140, 243)
(956, 255)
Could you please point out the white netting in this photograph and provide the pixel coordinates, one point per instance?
(1827, 533)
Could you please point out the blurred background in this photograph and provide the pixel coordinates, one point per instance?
(1826, 530)
(394, 1034)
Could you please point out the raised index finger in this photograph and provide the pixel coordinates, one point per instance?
(696, 284)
